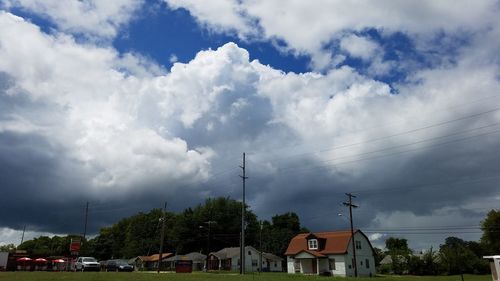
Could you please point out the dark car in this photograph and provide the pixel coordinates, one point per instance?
(118, 265)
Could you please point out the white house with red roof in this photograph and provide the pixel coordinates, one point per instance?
(330, 253)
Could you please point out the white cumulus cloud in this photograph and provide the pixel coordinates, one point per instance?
(99, 18)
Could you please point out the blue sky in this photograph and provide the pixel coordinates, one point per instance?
(164, 33)
(159, 99)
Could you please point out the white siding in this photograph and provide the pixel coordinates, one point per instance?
(290, 265)
(361, 255)
(340, 267)
(343, 263)
(275, 266)
(252, 261)
(4, 256)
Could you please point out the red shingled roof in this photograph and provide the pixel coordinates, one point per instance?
(333, 242)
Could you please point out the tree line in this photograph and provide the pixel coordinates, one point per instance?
(454, 256)
(216, 224)
(208, 227)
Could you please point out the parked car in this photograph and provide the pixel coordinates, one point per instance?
(87, 264)
(119, 265)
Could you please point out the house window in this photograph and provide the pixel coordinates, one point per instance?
(313, 244)
(367, 261)
(361, 262)
(255, 263)
(358, 245)
(275, 264)
(332, 264)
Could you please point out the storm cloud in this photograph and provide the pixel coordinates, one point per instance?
(80, 122)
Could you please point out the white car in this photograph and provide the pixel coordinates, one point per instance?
(87, 264)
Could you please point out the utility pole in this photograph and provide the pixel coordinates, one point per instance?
(162, 236)
(242, 243)
(208, 240)
(86, 220)
(350, 205)
(22, 237)
(260, 262)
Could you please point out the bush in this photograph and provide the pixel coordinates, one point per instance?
(384, 269)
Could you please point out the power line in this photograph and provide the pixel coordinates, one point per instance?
(416, 142)
(394, 135)
(481, 99)
(384, 155)
(460, 182)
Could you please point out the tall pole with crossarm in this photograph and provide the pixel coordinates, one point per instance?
(242, 243)
(350, 205)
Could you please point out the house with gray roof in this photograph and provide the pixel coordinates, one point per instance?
(229, 259)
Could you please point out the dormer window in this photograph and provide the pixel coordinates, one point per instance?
(312, 244)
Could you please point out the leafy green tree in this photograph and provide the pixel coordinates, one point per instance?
(48, 246)
(277, 234)
(400, 254)
(7, 248)
(491, 233)
(455, 257)
(133, 236)
(397, 246)
(416, 265)
(430, 263)
(378, 255)
(221, 218)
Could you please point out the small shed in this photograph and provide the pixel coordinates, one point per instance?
(495, 266)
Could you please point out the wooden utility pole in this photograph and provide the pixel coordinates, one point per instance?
(162, 236)
(22, 237)
(350, 205)
(242, 242)
(260, 260)
(208, 240)
(86, 220)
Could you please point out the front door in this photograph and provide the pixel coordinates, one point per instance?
(315, 266)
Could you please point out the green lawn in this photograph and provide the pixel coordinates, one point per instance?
(107, 276)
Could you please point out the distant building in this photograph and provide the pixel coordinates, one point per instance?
(330, 253)
(4, 257)
(495, 267)
(198, 260)
(149, 262)
(229, 259)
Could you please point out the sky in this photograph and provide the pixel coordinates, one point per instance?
(126, 104)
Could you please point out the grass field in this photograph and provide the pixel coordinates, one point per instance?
(106, 276)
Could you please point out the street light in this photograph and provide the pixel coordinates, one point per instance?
(209, 223)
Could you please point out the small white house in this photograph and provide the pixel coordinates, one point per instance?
(229, 259)
(330, 252)
(4, 257)
(271, 263)
(495, 267)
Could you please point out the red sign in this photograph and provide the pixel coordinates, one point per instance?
(75, 245)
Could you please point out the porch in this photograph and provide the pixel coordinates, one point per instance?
(307, 263)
